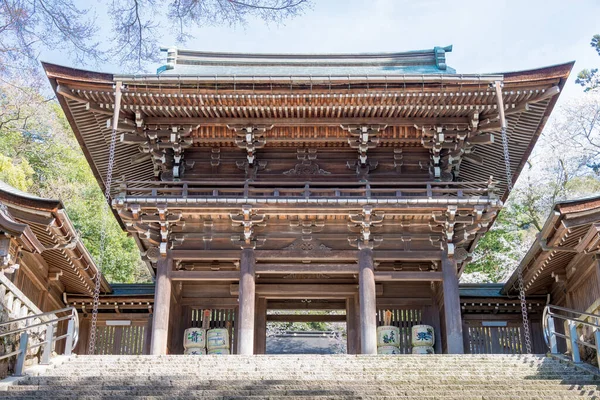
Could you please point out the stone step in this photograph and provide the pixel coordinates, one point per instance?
(574, 376)
(264, 386)
(449, 377)
(323, 397)
(316, 386)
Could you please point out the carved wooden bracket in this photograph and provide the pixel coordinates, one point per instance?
(250, 139)
(163, 145)
(248, 220)
(364, 223)
(155, 226)
(364, 137)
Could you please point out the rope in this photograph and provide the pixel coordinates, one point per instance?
(104, 221)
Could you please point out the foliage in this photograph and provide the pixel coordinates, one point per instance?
(30, 26)
(589, 78)
(565, 165)
(40, 155)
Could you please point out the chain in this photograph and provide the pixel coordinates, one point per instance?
(104, 222)
(522, 298)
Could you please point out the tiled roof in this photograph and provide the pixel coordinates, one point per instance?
(189, 62)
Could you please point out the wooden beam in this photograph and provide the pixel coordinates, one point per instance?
(305, 121)
(316, 268)
(201, 302)
(303, 305)
(402, 302)
(414, 276)
(305, 318)
(304, 291)
(204, 275)
(334, 255)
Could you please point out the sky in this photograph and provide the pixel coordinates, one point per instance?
(488, 36)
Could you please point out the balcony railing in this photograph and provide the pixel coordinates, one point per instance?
(304, 191)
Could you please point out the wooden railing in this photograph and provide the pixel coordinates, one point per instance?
(306, 190)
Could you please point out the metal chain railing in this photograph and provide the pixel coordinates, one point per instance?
(104, 221)
(509, 183)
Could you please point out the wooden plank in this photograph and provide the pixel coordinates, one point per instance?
(385, 276)
(305, 318)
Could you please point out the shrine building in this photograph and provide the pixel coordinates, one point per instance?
(352, 182)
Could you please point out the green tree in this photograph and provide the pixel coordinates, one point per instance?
(39, 154)
(589, 78)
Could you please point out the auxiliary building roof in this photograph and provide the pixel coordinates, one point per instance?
(46, 225)
(564, 250)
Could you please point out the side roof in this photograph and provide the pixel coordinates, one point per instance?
(49, 231)
(570, 238)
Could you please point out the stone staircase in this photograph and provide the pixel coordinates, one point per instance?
(453, 377)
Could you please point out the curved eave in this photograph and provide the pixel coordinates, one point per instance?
(561, 211)
(559, 71)
(9, 194)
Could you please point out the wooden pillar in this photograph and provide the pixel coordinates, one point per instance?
(367, 300)
(246, 303)
(452, 317)
(148, 335)
(351, 331)
(260, 338)
(162, 305)
(84, 335)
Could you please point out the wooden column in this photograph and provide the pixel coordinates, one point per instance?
(260, 338)
(452, 317)
(162, 305)
(351, 331)
(368, 302)
(148, 335)
(247, 304)
(84, 335)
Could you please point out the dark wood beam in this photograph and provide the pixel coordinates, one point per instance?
(218, 302)
(426, 276)
(317, 268)
(334, 255)
(204, 275)
(306, 318)
(302, 291)
(303, 305)
(305, 121)
(402, 302)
